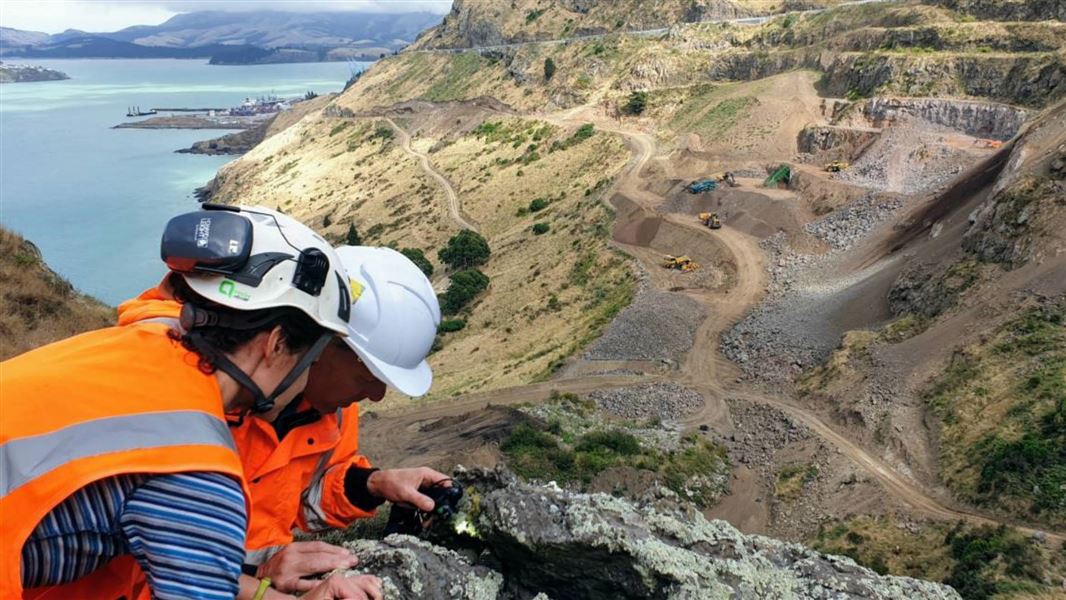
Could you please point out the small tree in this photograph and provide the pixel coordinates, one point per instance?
(549, 69)
(636, 103)
(465, 285)
(466, 249)
(352, 237)
(540, 228)
(326, 221)
(419, 258)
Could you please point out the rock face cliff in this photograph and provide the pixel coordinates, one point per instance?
(477, 23)
(1009, 10)
(536, 541)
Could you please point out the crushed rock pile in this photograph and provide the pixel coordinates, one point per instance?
(667, 401)
(656, 326)
(542, 542)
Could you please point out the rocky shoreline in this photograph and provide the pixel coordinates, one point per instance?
(27, 73)
(196, 122)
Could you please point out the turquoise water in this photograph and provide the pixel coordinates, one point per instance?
(95, 199)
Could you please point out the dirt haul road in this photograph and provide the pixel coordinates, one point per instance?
(455, 210)
(704, 368)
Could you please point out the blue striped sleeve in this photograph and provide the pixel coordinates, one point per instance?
(187, 532)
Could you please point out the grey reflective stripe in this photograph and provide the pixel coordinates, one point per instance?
(311, 499)
(260, 556)
(25, 459)
(171, 321)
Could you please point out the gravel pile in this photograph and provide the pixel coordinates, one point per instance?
(789, 331)
(656, 326)
(842, 228)
(761, 431)
(909, 157)
(668, 401)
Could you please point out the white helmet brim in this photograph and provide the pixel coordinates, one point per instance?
(412, 382)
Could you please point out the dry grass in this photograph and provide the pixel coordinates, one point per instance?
(37, 306)
(540, 306)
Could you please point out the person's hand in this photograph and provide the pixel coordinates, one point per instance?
(287, 568)
(401, 485)
(339, 587)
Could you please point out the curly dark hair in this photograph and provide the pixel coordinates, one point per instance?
(298, 330)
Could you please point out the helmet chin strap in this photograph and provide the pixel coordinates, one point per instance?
(262, 403)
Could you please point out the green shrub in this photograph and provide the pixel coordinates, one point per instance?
(636, 103)
(339, 127)
(464, 250)
(538, 204)
(352, 237)
(419, 258)
(533, 15)
(383, 132)
(464, 287)
(540, 228)
(613, 441)
(549, 69)
(451, 325)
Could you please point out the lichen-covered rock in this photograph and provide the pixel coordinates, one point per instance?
(575, 545)
(411, 568)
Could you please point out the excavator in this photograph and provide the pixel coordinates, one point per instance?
(983, 143)
(726, 178)
(681, 263)
(711, 219)
(836, 166)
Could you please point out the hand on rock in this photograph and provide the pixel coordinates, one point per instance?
(339, 587)
(288, 568)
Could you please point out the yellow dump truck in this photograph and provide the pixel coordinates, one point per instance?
(711, 220)
(681, 263)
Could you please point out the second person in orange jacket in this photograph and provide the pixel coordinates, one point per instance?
(304, 469)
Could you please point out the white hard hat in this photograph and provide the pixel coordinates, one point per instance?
(252, 258)
(394, 316)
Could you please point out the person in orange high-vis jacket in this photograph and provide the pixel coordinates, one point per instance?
(116, 410)
(304, 468)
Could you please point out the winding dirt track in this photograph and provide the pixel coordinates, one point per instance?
(704, 369)
(455, 210)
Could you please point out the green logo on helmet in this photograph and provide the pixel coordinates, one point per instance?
(229, 289)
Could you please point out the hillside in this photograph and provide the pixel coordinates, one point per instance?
(867, 357)
(36, 305)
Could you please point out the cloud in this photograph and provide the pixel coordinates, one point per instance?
(53, 16)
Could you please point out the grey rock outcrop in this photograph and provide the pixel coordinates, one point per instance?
(979, 119)
(413, 568)
(1008, 10)
(560, 544)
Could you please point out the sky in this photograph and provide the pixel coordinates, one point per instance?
(54, 16)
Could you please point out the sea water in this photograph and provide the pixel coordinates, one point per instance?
(95, 199)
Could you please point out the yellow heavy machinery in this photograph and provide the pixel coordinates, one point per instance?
(711, 220)
(681, 263)
(836, 166)
(993, 144)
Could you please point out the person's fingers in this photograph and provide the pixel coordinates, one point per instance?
(432, 477)
(303, 585)
(419, 500)
(370, 585)
(318, 562)
(318, 546)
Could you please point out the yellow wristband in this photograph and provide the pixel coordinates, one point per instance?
(264, 584)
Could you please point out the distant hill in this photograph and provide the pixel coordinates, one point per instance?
(233, 37)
